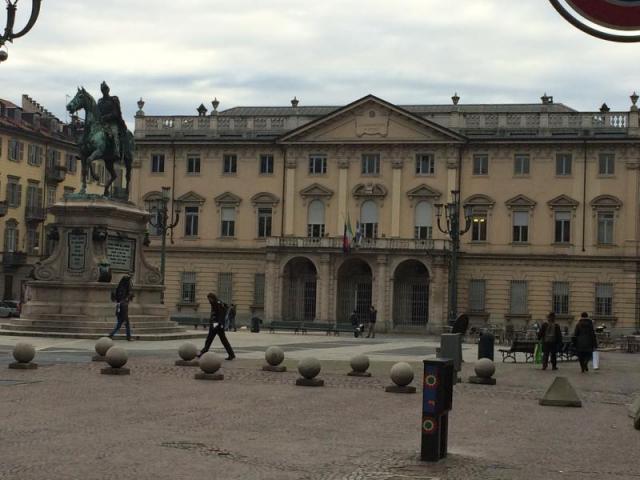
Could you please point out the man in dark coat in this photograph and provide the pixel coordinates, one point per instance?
(551, 337)
(216, 326)
(373, 314)
(355, 322)
(122, 296)
(585, 341)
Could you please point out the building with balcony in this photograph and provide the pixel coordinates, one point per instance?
(38, 165)
(266, 195)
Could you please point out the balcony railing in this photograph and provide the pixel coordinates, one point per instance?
(35, 214)
(364, 244)
(3, 208)
(14, 259)
(55, 174)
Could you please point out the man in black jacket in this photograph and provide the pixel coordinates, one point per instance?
(551, 337)
(216, 326)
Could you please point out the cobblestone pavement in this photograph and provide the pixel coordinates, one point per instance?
(66, 421)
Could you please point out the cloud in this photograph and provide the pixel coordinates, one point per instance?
(177, 55)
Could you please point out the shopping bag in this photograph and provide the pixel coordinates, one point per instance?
(595, 359)
(537, 354)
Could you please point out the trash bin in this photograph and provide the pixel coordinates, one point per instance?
(485, 345)
(255, 324)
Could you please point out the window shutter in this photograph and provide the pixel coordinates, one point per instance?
(519, 297)
(423, 214)
(228, 214)
(316, 213)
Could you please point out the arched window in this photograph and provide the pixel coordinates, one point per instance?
(315, 221)
(369, 219)
(424, 214)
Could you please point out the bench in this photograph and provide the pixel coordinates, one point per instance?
(194, 320)
(519, 346)
(342, 327)
(328, 328)
(293, 326)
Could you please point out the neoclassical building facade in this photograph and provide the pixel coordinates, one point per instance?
(265, 195)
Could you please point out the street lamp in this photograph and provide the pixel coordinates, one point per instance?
(9, 35)
(452, 228)
(163, 222)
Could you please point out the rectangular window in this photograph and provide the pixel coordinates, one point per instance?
(32, 195)
(35, 155)
(425, 164)
(16, 150)
(72, 163)
(51, 196)
(14, 193)
(479, 228)
(10, 238)
(264, 222)
(228, 227)
(562, 227)
(370, 164)
(229, 164)
(606, 164)
(193, 164)
(563, 164)
(477, 289)
(191, 221)
(258, 290)
(33, 245)
(604, 299)
(518, 298)
(225, 287)
(560, 298)
(266, 164)
(315, 230)
(423, 232)
(53, 158)
(157, 163)
(317, 164)
(605, 228)
(188, 287)
(481, 164)
(520, 227)
(521, 164)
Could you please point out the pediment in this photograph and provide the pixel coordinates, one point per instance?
(371, 120)
(227, 198)
(153, 195)
(265, 198)
(316, 190)
(520, 201)
(369, 190)
(563, 201)
(480, 200)
(606, 201)
(423, 191)
(191, 197)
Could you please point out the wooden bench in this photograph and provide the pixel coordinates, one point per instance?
(519, 346)
(194, 320)
(328, 328)
(296, 327)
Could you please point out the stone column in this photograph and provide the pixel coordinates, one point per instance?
(271, 288)
(438, 295)
(452, 177)
(290, 196)
(381, 301)
(343, 186)
(322, 308)
(396, 192)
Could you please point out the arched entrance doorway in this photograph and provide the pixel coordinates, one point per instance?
(411, 295)
(354, 289)
(299, 281)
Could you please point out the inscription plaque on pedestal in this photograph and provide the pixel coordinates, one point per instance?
(121, 253)
(77, 252)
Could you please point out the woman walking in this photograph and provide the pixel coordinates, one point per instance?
(585, 341)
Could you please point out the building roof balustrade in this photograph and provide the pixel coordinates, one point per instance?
(365, 244)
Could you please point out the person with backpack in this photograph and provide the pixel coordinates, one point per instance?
(551, 337)
(216, 326)
(122, 295)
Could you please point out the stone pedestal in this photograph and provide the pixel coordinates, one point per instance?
(209, 376)
(482, 380)
(400, 389)
(354, 373)
(115, 371)
(97, 241)
(23, 366)
(274, 368)
(309, 382)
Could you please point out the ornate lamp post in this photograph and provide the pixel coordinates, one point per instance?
(9, 34)
(452, 228)
(163, 222)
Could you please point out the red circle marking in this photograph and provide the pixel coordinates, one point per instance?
(429, 425)
(431, 381)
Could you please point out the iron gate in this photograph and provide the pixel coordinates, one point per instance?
(299, 291)
(411, 295)
(353, 293)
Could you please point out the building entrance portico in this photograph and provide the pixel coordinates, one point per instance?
(355, 287)
(299, 281)
(411, 295)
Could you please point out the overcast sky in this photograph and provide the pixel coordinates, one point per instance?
(180, 53)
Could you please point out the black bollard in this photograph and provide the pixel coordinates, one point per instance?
(486, 345)
(437, 400)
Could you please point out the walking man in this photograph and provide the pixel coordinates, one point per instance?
(551, 337)
(585, 341)
(216, 326)
(122, 296)
(373, 313)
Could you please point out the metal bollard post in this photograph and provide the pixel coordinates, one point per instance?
(437, 401)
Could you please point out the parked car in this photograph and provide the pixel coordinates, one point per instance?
(9, 308)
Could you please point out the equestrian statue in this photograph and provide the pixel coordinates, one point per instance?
(105, 136)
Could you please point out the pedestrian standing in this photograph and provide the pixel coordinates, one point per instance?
(122, 296)
(373, 313)
(585, 341)
(355, 322)
(216, 326)
(551, 337)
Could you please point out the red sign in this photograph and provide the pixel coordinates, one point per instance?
(618, 15)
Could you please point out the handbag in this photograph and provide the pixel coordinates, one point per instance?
(537, 354)
(595, 359)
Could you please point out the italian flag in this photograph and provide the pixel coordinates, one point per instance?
(347, 237)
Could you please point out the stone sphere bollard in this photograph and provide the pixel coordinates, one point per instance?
(210, 363)
(274, 356)
(359, 366)
(102, 347)
(484, 369)
(309, 368)
(23, 353)
(187, 352)
(117, 358)
(401, 375)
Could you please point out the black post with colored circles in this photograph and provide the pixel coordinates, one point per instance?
(437, 401)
